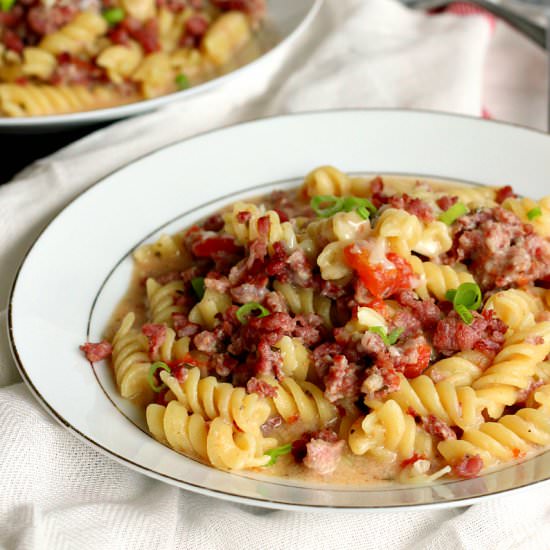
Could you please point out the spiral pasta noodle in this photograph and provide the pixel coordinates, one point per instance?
(33, 100)
(77, 35)
(459, 370)
(217, 442)
(211, 399)
(327, 180)
(332, 262)
(227, 35)
(301, 400)
(38, 62)
(161, 300)
(522, 207)
(513, 368)
(131, 363)
(295, 356)
(517, 308)
(343, 226)
(247, 231)
(513, 436)
(456, 406)
(305, 300)
(206, 312)
(164, 248)
(388, 432)
(120, 61)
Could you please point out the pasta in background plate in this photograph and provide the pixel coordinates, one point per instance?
(66, 56)
(355, 330)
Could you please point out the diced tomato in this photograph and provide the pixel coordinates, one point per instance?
(412, 459)
(378, 278)
(214, 245)
(424, 354)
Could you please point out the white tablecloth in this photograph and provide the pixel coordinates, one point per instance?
(55, 492)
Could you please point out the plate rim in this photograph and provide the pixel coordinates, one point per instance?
(122, 112)
(225, 495)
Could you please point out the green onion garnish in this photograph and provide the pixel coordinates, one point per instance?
(363, 212)
(388, 339)
(465, 313)
(326, 205)
(182, 82)
(469, 295)
(6, 5)
(277, 452)
(244, 311)
(534, 213)
(151, 376)
(351, 203)
(450, 295)
(112, 15)
(452, 214)
(198, 286)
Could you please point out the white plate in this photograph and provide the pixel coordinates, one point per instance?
(79, 268)
(286, 20)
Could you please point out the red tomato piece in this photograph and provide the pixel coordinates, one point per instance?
(424, 354)
(210, 246)
(378, 278)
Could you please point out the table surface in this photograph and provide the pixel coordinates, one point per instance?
(20, 150)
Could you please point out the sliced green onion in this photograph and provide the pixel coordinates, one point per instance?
(369, 206)
(351, 203)
(468, 295)
(465, 313)
(394, 335)
(198, 286)
(450, 295)
(363, 212)
(244, 311)
(326, 205)
(112, 15)
(277, 452)
(151, 376)
(388, 339)
(6, 5)
(534, 213)
(452, 214)
(182, 82)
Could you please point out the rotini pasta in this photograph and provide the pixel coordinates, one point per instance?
(456, 406)
(103, 54)
(131, 363)
(161, 300)
(212, 399)
(387, 433)
(335, 325)
(513, 368)
(217, 441)
(206, 312)
(302, 400)
(537, 213)
(304, 300)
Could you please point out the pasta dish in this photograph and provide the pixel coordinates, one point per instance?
(354, 330)
(64, 56)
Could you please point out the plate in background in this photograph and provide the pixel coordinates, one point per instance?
(82, 262)
(286, 20)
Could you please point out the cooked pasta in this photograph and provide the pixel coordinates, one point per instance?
(456, 406)
(93, 55)
(513, 368)
(302, 400)
(295, 356)
(131, 363)
(161, 300)
(512, 437)
(305, 300)
(206, 312)
(354, 329)
(217, 441)
(387, 432)
(246, 230)
(211, 399)
(536, 213)
(517, 308)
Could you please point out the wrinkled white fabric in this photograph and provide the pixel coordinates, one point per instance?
(56, 492)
